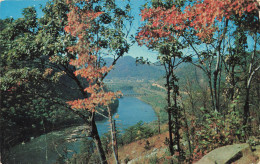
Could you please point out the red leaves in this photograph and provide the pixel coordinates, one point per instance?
(202, 16)
(79, 20)
(96, 99)
(251, 7)
(81, 25)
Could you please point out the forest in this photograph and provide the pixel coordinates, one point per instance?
(68, 71)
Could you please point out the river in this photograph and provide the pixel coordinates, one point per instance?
(45, 149)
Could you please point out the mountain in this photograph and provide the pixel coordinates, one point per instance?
(127, 68)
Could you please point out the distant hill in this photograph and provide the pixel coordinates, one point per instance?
(126, 68)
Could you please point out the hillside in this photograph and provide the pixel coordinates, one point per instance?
(157, 152)
(139, 152)
(127, 68)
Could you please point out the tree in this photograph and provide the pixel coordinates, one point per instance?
(170, 56)
(89, 23)
(41, 44)
(22, 83)
(205, 27)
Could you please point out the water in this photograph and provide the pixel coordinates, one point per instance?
(130, 111)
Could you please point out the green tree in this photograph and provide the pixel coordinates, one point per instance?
(23, 83)
(34, 50)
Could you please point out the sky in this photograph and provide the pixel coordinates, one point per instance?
(13, 8)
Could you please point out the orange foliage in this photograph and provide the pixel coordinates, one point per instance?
(80, 24)
(201, 16)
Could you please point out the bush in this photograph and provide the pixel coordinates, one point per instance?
(217, 130)
(147, 145)
(136, 132)
(154, 160)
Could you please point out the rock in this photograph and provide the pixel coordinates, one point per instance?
(250, 156)
(223, 155)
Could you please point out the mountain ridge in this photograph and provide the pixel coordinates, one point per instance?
(127, 68)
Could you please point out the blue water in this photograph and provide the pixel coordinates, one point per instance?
(130, 111)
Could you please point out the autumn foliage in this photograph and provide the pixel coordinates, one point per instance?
(170, 26)
(202, 16)
(81, 25)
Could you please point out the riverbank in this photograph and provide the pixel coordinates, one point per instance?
(67, 142)
(155, 98)
(63, 119)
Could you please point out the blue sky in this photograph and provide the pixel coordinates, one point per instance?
(13, 8)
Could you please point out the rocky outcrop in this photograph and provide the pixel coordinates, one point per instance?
(237, 153)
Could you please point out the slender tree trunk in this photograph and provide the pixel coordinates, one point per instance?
(216, 72)
(46, 145)
(176, 109)
(177, 134)
(170, 130)
(258, 1)
(1, 145)
(97, 141)
(232, 82)
(169, 110)
(177, 115)
(211, 90)
(159, 124)
(219, 83)
(113, 136)
(251, 73)
(187, 132)
(246, 106)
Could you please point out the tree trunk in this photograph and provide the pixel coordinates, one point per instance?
(113, 136)
(251, 73)
(232, 82)
(169, 110)
(215, 89)
(97, 141)
(258, 1)
(159, 124)
(177, 134)
(246, 107)
(188, 133)
(211, 90)
(1, 145)
(177, 122)
(218, 88)
(1, 152)
(176, 111)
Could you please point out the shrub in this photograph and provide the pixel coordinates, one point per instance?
(216, 130)
(153, 160)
